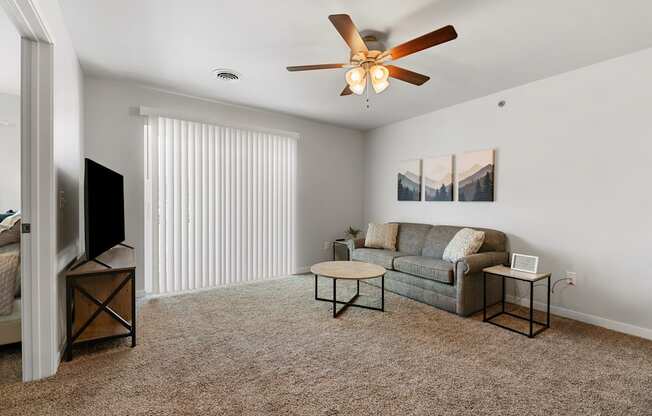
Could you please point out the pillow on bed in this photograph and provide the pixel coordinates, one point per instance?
(8, 268)
(10, 230)
(7, 214)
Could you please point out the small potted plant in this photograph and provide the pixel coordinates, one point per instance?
(352, 233)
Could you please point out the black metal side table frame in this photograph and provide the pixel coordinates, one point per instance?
(348, 303)
(344, 245)
(530, 319)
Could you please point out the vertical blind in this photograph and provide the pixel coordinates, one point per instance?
(222, 202)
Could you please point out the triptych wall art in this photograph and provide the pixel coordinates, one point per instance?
(474, 173)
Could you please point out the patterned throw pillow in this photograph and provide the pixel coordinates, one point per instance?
(381, 236)
(8, 270)
(10, 230)
(467, 241)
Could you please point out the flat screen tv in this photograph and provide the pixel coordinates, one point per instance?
(104, 208)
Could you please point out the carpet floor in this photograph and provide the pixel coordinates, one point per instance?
(269, 348)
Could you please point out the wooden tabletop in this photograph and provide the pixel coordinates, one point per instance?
(118, 257)
(355, 270)
(515, 274)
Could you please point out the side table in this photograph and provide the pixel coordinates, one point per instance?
(503, 273)
(340, 250)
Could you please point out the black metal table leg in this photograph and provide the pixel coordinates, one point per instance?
(484, 296)
(334, 298)
(531, 309)
(69, 300)
(382, 293)
(133, 310)
(503, 298)
(548, 306)
(351, 302)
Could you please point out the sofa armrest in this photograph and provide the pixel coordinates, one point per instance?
(476, 262)
(353, 244)
(470, 285)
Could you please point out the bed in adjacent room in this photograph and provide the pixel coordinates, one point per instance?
(9, 278)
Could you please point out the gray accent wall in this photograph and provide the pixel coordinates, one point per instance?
(572, 181)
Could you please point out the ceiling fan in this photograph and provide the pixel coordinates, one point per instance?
(371, 65)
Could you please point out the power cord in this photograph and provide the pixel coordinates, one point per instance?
(557, 281)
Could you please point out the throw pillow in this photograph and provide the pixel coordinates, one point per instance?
(6, 214)
(8, 269)
(10, 235)
(466, 241)
(381, 236)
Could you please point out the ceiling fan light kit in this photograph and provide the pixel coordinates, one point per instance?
(379, 78)
(357, 80)
(369, 66)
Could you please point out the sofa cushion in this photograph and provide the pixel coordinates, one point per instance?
(426, 267)
(411, 237)
(377, 256)
(440, 235)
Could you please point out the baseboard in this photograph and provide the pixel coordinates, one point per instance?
(302, 270)
(586, 318)
(206, 289)
(140, 294)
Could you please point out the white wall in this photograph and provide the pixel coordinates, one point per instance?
(329, 185)
(9, 152)
(67, 123)
(573, 170)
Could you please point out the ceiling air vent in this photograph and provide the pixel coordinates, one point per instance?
(226, 75)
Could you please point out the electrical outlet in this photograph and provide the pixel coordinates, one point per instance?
(327, 245)
(572, 278)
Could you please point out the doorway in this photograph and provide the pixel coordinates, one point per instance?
(10, 203)
(39, 350)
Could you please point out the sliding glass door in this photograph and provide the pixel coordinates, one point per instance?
(221, 203)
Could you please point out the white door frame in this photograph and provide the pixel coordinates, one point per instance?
(40, 349)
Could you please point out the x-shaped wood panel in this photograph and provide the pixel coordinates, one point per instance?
(102, 306)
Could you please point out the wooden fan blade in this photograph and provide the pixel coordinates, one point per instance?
(439, 36)
(348, 31)
(313, 67)
(346, 91)
(406, 75)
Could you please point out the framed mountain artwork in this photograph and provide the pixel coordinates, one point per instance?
(438, 178)
(475, 176)
(409, 180)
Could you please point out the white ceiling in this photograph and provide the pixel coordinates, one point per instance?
(9, 56)
(174, 44)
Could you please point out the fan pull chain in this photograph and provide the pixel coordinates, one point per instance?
(367, 103)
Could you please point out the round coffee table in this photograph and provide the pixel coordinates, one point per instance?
(349, 270)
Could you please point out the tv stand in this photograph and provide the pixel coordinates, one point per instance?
(101, 298)
(81, 263)
(101, 263)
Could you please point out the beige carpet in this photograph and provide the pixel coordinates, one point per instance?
(270, 348)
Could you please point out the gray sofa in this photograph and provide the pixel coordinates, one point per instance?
(416, 269)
